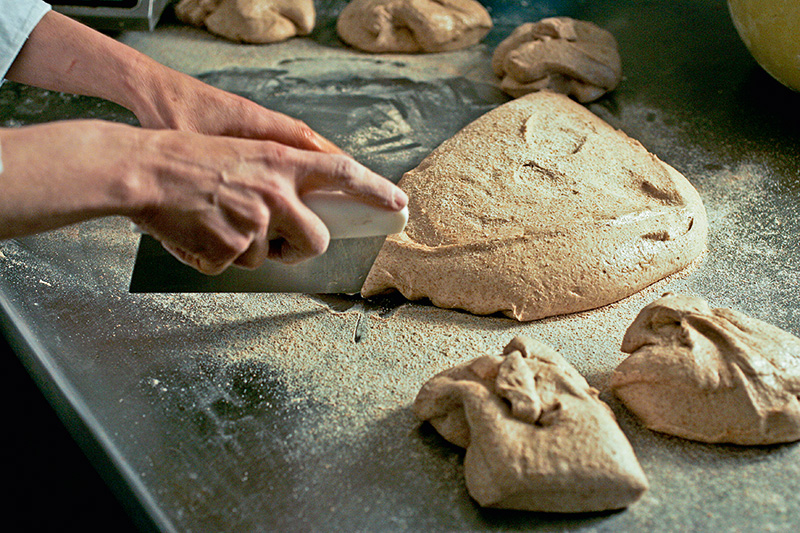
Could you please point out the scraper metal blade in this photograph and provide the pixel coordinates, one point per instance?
(357, 234)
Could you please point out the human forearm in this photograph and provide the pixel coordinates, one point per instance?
(64, 55)
(216, 178)
(65, 172)
(211, 200)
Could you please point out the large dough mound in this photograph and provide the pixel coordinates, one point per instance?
(413, 25)
(537, 436)
(564, 55)
(712, 375)
(539, 208)
(250, 21)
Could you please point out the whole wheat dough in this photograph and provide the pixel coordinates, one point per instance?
(539, 208)
(712, 375)
(537, 436)
(413, 25)
(250, 21)
(564, 55)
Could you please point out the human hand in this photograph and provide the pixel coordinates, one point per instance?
(212, 175)
(187, 104)
(63, 55)
(212, 201)
(216, 201)
(173, 100)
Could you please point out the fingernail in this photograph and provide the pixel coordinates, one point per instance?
(399, 198)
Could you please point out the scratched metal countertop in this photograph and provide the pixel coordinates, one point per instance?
(238, 412)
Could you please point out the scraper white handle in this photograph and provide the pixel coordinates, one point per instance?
(348, 218)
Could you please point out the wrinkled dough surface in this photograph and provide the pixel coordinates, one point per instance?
(537, 436)
(250, 21)
(410, 26)
(539, 208)
(712, 375)
(561, 54)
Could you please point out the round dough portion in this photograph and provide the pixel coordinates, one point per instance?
(539, 208)
(561, 54)
(250, 21)
(410, 26)
(711, 375)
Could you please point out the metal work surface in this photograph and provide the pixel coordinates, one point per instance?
(236, 412)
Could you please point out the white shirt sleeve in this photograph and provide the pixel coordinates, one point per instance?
(17, 20)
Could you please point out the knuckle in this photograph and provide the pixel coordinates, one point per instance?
(346, 170)
(277, 153)
(239, 246)
(231, 246)
(304, 131)
(298, 251)
(260, 218)
(252, 258)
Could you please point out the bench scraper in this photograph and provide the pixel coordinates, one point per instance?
(357, 234)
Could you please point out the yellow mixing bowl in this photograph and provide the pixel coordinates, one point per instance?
(771, 31)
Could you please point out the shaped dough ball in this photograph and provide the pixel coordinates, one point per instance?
(194, 12)
(711, 375)
(537, 436)
(413, 25)
(564, 55)
(250, 21)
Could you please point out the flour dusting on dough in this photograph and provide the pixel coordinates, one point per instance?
(536, 209)
(712, 375)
